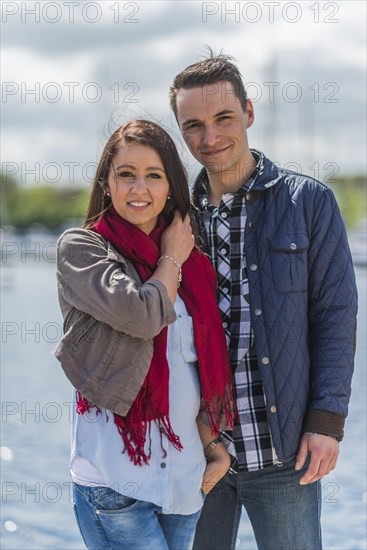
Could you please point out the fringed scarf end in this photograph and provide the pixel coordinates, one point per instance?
(134, 440)
(221, 408)
(165, 428)
(83, 405)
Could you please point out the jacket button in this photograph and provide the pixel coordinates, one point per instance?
(293, 246)
(265, 361)
(253, 267)
(248, 196)
(118, 276)
(273, 409)
(258, 311)
(251, 224)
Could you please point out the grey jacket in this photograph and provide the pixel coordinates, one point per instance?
(110, 320)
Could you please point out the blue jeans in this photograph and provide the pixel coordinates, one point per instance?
(109, 520)
(284, 515)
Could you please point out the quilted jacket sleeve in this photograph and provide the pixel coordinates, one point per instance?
(332, 318)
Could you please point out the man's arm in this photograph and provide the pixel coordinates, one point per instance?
(332, 322)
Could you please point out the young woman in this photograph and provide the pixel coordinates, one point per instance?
(145, 351)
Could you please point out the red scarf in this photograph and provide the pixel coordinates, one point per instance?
(198, 291)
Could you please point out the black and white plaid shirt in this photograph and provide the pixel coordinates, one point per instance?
(250, 442)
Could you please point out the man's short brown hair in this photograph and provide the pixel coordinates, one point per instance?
(213, 69)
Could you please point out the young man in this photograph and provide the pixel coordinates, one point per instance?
(287, 298)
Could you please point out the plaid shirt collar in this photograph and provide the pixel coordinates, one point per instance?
(202, 182)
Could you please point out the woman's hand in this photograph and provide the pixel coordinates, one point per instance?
(176, 243)
(177, 240)
(218, 463)
(218, 459)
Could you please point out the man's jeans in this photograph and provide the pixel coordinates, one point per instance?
(284, 514)
(109, 520)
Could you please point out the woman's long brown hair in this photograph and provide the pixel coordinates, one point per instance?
(150, 134)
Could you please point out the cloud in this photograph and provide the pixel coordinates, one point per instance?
(88, 77)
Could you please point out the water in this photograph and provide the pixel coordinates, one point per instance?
(36, 509)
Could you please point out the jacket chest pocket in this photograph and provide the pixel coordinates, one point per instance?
(289, 264)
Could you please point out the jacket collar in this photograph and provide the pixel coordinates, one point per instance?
(265, 175)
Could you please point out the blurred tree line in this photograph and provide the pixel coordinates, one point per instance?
(351, 193)
(48, 205)
(54, 207)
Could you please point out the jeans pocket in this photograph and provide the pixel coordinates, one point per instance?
(111, 501)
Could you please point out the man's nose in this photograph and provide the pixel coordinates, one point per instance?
(210, 136)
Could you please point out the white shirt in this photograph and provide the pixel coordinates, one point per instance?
(173, 482)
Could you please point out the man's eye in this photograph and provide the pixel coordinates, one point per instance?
(224, 117)
(190, 126)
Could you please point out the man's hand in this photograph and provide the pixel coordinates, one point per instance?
(324, 454)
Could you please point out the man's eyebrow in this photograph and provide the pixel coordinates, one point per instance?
(221, 113)
(225, 112)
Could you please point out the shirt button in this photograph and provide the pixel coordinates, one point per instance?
(253, 267)
(258, 311)
(225, 290)
(225, 325)
(118, 276)
(223, 251)
(163, 464)
(224, 215)
(273, 409)
(293, 246)
(265, 361)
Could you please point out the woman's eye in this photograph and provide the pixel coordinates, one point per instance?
(153, 175)
(125, 175)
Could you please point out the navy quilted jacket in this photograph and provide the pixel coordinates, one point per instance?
(303, 303)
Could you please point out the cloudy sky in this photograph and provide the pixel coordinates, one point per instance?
(72, 71)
